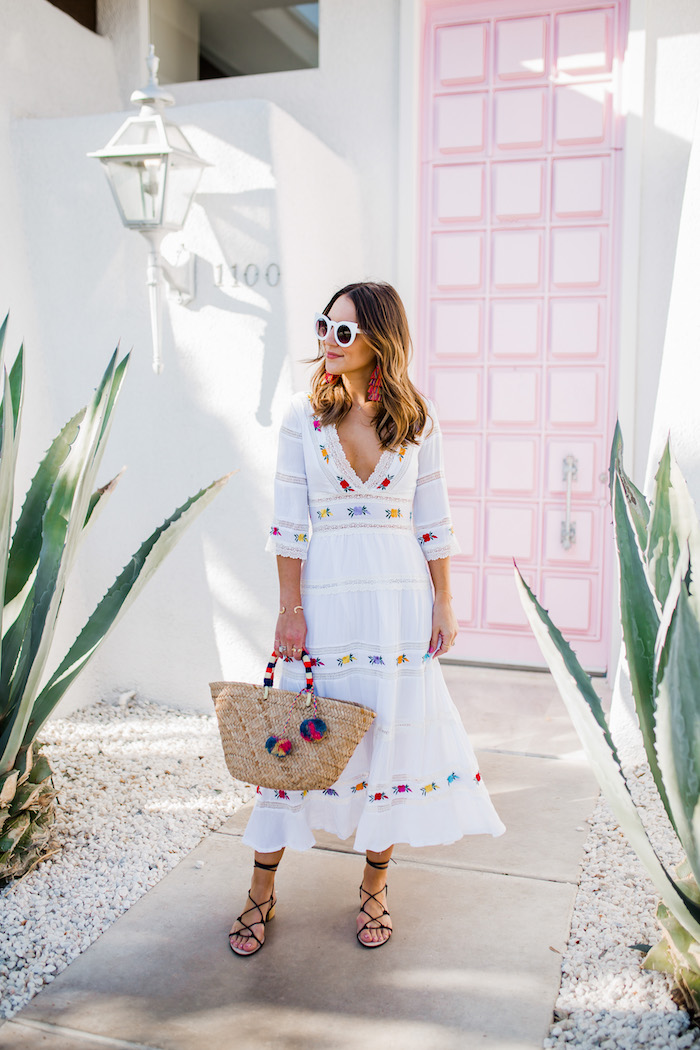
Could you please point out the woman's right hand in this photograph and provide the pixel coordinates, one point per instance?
(290, 634)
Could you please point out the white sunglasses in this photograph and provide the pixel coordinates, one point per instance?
(345, 331)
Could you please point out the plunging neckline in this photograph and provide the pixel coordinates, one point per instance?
(343, 462)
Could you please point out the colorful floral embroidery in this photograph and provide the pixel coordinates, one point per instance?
(326, 512)
(281, 794)
(324, 452)
(345, 485)
(403, 659)
(347, 659)
(426, 656)
(356, 512)
(301, 537)
(452, 777)
(329, 791)
(429, 787)
(315, 662)
(452, 531)
(377, 796)
(427, 537)
(304, 792)
(274, 531)
(317, 425)
(477, 777)
(376, 659)
(395, 512)
(402, 789)
(387, 481)
(359, 787)
(258, 790)
(402, 451)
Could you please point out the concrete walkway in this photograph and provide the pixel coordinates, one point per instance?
(479, 926)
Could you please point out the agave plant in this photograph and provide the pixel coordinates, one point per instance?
(658, 544)
(62, 503)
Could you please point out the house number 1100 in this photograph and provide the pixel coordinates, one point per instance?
(251, 274)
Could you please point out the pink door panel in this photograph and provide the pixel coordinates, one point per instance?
(520, 164)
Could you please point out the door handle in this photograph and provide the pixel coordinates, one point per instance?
(569, 475)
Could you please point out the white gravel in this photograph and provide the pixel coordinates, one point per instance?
(139, 785)
(606, 1000)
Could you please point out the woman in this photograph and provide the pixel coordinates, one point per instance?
(369, 597)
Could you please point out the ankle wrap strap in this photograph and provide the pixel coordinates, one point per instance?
(379, 865)
(267, 867)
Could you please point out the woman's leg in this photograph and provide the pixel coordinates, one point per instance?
(374, 886)
(262, 888)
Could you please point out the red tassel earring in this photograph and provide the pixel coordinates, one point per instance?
(374, 390)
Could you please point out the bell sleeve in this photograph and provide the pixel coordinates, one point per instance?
(432, 521)
(289, 532)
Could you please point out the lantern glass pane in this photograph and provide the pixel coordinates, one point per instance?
(141, 133)
(176, 138)
(183, 179)
(138, 185)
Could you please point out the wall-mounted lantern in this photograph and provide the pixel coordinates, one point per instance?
(153, 173)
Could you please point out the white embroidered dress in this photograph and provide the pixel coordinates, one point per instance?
(368, 601)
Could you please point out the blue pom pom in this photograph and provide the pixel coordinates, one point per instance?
(278, 748)
(313, 729)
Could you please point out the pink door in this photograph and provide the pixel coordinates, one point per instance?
(520, 166)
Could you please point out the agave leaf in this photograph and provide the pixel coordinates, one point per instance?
(637, 505)
(677, 724)
(3, 333)
(41, 770)
(8, 786)
(13, 831)
(639, 616)
(16, 385)
(25, 795)
(26, 541)
(587, 715)
(117, 600)
(98, 500)
(659, 958)
(62, 528)
(662, 541)
(8, 459)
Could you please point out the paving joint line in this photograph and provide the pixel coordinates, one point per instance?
(77, 1033)
(429, 865)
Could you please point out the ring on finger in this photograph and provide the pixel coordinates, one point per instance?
(283, 648)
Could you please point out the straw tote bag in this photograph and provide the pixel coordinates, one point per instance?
(284, 740)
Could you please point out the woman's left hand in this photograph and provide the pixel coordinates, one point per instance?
(445, 626)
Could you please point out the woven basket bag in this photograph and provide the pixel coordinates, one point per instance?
(251, 716)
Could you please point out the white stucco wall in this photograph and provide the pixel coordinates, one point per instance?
(351, 102)
(663, 86)
(231, 362)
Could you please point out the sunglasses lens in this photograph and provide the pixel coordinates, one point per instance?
(321, 328)
(343, 335)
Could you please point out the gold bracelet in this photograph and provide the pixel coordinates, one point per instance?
(297, 608)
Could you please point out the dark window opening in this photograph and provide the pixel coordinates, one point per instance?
(83, 11)
(205, 39)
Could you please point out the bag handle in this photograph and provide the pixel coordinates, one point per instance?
(270, 672)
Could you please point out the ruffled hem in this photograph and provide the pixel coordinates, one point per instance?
(437, 822)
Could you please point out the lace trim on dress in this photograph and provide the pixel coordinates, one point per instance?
(296, 434)
(377, 475)
(435, 476)
(292, 479)
(364, 583)
(285, 551)
(433, 553)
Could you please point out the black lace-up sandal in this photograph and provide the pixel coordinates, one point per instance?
(377, 920)
(246, 928)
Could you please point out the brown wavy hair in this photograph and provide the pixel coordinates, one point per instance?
(382, 320)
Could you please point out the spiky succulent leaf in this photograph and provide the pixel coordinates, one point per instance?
(8, 459)
(13, 831)
(636, 502)
(639, 616)
(26, 540)
(587, 715)
(62, 528)
(677, 727)
(662, 541)
(117, 600)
